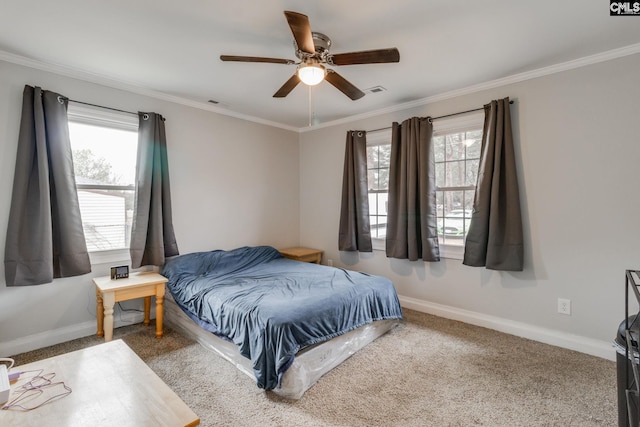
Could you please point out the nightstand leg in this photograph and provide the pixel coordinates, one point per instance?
(109, 300)
(159, 309)
(147, 311)
(99, 314)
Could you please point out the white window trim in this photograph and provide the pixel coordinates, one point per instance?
(106, 118)
(461, 123)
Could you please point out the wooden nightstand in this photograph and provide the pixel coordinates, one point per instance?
(137, 285)
(303, 254)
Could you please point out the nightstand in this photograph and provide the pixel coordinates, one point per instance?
(303, 254)
(137, 285)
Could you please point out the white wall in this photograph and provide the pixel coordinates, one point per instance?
(233, 183)
(578, 156)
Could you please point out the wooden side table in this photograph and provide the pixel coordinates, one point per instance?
(303, 254)
(111, 386)
(137, 285)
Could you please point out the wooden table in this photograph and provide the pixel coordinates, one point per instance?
(137, 285)
(111, 386)
(303, 254)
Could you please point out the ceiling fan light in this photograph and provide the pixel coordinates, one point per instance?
(311, 74)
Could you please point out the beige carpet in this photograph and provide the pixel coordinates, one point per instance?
(428, 371)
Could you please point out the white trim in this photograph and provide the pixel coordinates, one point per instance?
(131, 87)
(459, 123)
(64, 334)
(553, 337)
(102, 117)
(121, 256)
(137, 88)
(569, 341)
(516, 78)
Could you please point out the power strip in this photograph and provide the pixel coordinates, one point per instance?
(4, 384)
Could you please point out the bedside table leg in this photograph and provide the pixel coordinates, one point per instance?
(99, 314)
(109, 300)
(159, 311)
(147, 311)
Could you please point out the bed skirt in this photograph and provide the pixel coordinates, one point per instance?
(309, 364)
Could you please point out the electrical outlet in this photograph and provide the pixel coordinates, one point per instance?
(564, 306)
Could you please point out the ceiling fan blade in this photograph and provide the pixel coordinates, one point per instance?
(255, 59)
(301, 30)
(287, 87)
(343, 85)
(377, 56)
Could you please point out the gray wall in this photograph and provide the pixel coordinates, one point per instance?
(578, 156)
(233, 182)
(577, 152)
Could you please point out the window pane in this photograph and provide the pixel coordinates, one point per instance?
(106, 218)
(381, 227)
(473, 141)
(468, 203)
(383, 179)
(384, 155)
(103, 155)
(472, 172)
(440, 174)
(439, 204)
(455, 147)
(455, 174)
(438, 146)
(372, 157)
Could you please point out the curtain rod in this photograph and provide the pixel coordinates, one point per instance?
(439, 117)
(101, 106)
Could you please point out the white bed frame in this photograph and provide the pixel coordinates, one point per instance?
(310, 363)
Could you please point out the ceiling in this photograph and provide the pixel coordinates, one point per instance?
(172, 48)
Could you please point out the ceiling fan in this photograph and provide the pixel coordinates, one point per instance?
(312, 49)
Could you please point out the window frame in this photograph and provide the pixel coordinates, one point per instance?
(374, 139)
(451, 125)
(84, 114)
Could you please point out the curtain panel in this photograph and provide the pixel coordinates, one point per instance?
(45, 238)
(152, 235)
(411, 221)
(495, 232)
(354, 232)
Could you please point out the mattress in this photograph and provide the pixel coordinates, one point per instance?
(310, 363)
(271, 307)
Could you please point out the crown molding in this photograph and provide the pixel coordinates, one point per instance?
(129, 87)
(140, 90)
(515, 78)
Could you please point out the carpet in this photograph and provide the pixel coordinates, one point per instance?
(428, 371)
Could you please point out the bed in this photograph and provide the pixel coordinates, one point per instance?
(283, 322)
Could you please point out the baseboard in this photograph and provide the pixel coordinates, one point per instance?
(579, 343)
(60, 335)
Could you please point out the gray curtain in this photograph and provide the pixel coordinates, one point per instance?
(495, 233)
(45, 239)
(152, 236)
(411, 222)
(355, 232)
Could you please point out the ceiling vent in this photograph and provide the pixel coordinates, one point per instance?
(375, 89)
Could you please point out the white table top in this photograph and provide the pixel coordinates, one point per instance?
(111, 386)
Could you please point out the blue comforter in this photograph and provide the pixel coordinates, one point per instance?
(272, 307)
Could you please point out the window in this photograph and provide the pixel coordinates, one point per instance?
(457, 142)
(104, 148)
(378, 160)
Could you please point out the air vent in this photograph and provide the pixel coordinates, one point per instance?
(375, 89)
